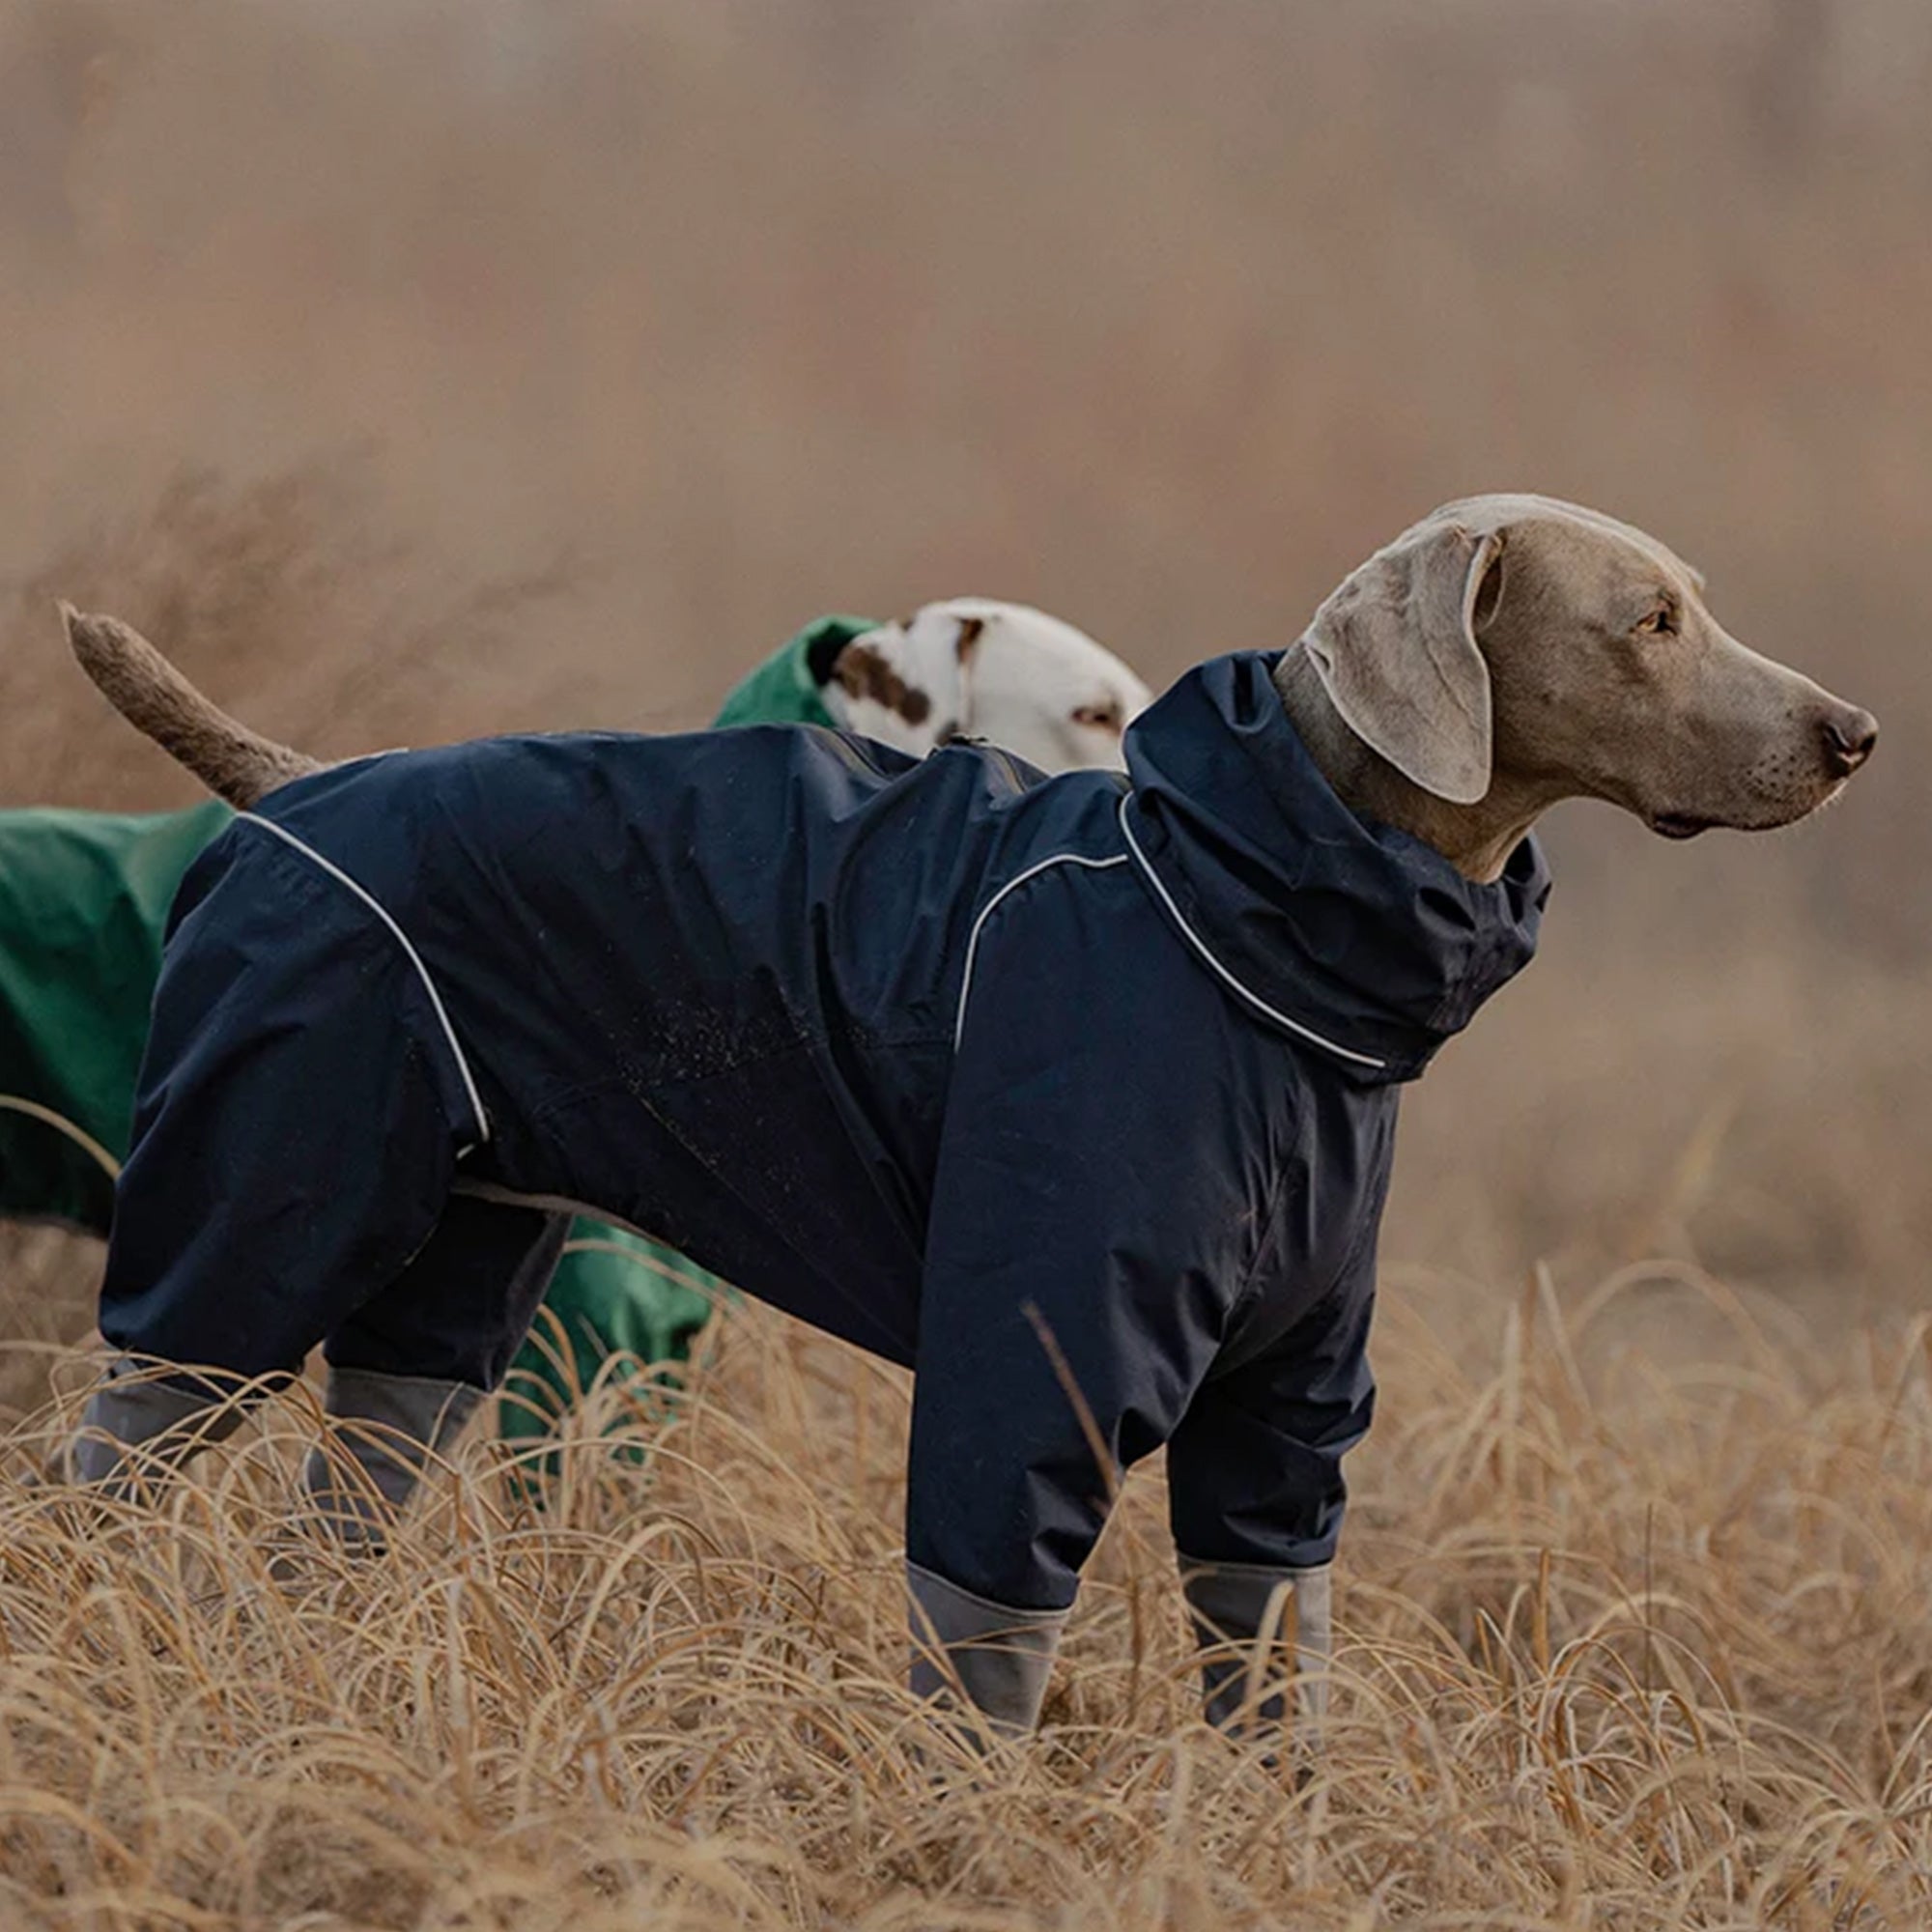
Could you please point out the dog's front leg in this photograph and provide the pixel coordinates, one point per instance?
(1260, 1628)
(997, 1658)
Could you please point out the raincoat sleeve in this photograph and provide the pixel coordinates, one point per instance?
(1081, 1259)
(1256, 1496)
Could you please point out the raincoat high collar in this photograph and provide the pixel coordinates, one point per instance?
(1334, 927)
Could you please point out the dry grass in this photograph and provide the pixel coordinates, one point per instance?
(1622, 1644)
(672, 326)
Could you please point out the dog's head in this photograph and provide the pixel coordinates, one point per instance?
(973, 668)
(1518, 639)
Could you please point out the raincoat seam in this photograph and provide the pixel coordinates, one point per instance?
(1206, 954)
(1250, 1289)
(992, 905)
(403, 939)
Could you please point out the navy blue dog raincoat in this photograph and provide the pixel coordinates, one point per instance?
(972, 1068)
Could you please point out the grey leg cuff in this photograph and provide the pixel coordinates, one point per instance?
(1240, 1602)
(363, 1475)
(999, 1656)
(132, 1408)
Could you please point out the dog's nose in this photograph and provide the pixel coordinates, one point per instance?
(1849, 735)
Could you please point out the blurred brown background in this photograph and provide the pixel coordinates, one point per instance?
(419, 369)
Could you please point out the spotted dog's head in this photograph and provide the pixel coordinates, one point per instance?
(971, 667)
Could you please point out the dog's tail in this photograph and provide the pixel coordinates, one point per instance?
(230, 760)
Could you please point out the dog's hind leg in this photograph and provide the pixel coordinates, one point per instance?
(409, 1367)
(295, 1137)
(142, 1423)
(384, 1432)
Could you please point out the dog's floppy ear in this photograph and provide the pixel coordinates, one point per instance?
(1395, 647)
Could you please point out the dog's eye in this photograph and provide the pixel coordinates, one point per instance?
(1106, 716)
(1659, 623)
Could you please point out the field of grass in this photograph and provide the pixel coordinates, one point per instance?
(412, 370)
(1623, 1642)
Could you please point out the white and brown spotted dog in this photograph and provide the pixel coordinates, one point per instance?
(974, 667)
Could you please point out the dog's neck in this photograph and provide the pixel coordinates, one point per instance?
(1477, 840)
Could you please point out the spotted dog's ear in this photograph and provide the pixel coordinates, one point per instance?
(970, 629)
(1395, 647)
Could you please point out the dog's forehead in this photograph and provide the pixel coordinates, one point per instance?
(1502, 510)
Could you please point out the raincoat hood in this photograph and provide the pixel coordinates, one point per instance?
(1325, 922)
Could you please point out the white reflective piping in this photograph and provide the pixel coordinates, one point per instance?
(986, 913)
(376, 906)
(1199, 946)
